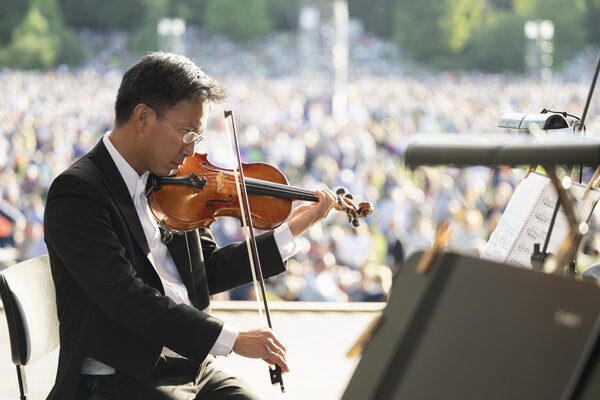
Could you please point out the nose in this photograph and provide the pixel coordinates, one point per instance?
(189, 149)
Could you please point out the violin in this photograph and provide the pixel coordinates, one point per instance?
(202, 191)
(257, 194)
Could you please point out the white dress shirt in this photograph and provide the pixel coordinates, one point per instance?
(163, 262)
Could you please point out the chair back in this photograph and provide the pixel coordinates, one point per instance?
(29, 299)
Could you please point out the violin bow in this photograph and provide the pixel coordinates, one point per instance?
(257, 276)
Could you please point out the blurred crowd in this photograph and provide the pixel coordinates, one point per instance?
(49, 119)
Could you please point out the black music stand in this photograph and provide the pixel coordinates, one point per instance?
(477, 329)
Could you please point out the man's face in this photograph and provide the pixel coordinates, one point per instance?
(165, 150)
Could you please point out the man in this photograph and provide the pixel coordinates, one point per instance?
(130, 306)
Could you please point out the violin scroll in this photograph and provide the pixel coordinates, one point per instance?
(344, 203)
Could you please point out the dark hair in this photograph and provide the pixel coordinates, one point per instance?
(162, 80)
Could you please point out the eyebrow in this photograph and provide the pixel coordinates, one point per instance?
(195, 128)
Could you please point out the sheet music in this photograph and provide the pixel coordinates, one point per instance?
(527, 218)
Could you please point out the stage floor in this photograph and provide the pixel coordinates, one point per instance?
(317, 337)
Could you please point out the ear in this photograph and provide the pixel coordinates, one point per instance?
(142, 114)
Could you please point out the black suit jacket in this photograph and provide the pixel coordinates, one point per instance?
(110, 300)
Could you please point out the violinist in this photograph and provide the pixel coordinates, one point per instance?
(133, 309)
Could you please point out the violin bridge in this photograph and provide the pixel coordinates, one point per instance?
(220, 184)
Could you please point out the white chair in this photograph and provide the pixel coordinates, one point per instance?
(29, 299)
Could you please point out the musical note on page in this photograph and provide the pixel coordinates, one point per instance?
(527, 219)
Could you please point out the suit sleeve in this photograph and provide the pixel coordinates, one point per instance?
(229, 266)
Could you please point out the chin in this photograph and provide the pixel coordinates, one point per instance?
(165, 172)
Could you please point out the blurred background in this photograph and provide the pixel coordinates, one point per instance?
(328, 91)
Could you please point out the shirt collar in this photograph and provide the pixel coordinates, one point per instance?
(130, 176)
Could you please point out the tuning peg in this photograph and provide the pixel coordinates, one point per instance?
(365, 209)
(340, 191)
(349, 196)
(355, 223)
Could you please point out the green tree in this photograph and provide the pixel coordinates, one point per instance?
(569, 18)
(236, 19)
(72, 51)
(32, 45)
(41, 40)
(146, 38)
(11, 14)
(591, 21)
(104, 14)
(458, 20)
(498, 44)
(190, 10)
(436, 29)
(283, 14)
(502, 4)
(376, 15)
(524, 7)
(34, 24)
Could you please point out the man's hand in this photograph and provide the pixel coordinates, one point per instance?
(306, 215)
(261, 343)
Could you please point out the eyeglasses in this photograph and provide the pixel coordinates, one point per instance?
(188, 137)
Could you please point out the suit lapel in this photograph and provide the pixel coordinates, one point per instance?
(118, 190)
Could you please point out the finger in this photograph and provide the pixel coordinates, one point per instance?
(279, 360)
(330, 195)
(277, 346)
(327, 199)
(330, 192)
(273, 344)
(277, 352)
(274, 358)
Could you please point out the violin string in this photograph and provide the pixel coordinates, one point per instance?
(267, 184)
(280, 191)
(265, 188)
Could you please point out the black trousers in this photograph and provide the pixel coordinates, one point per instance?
(173, 379)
